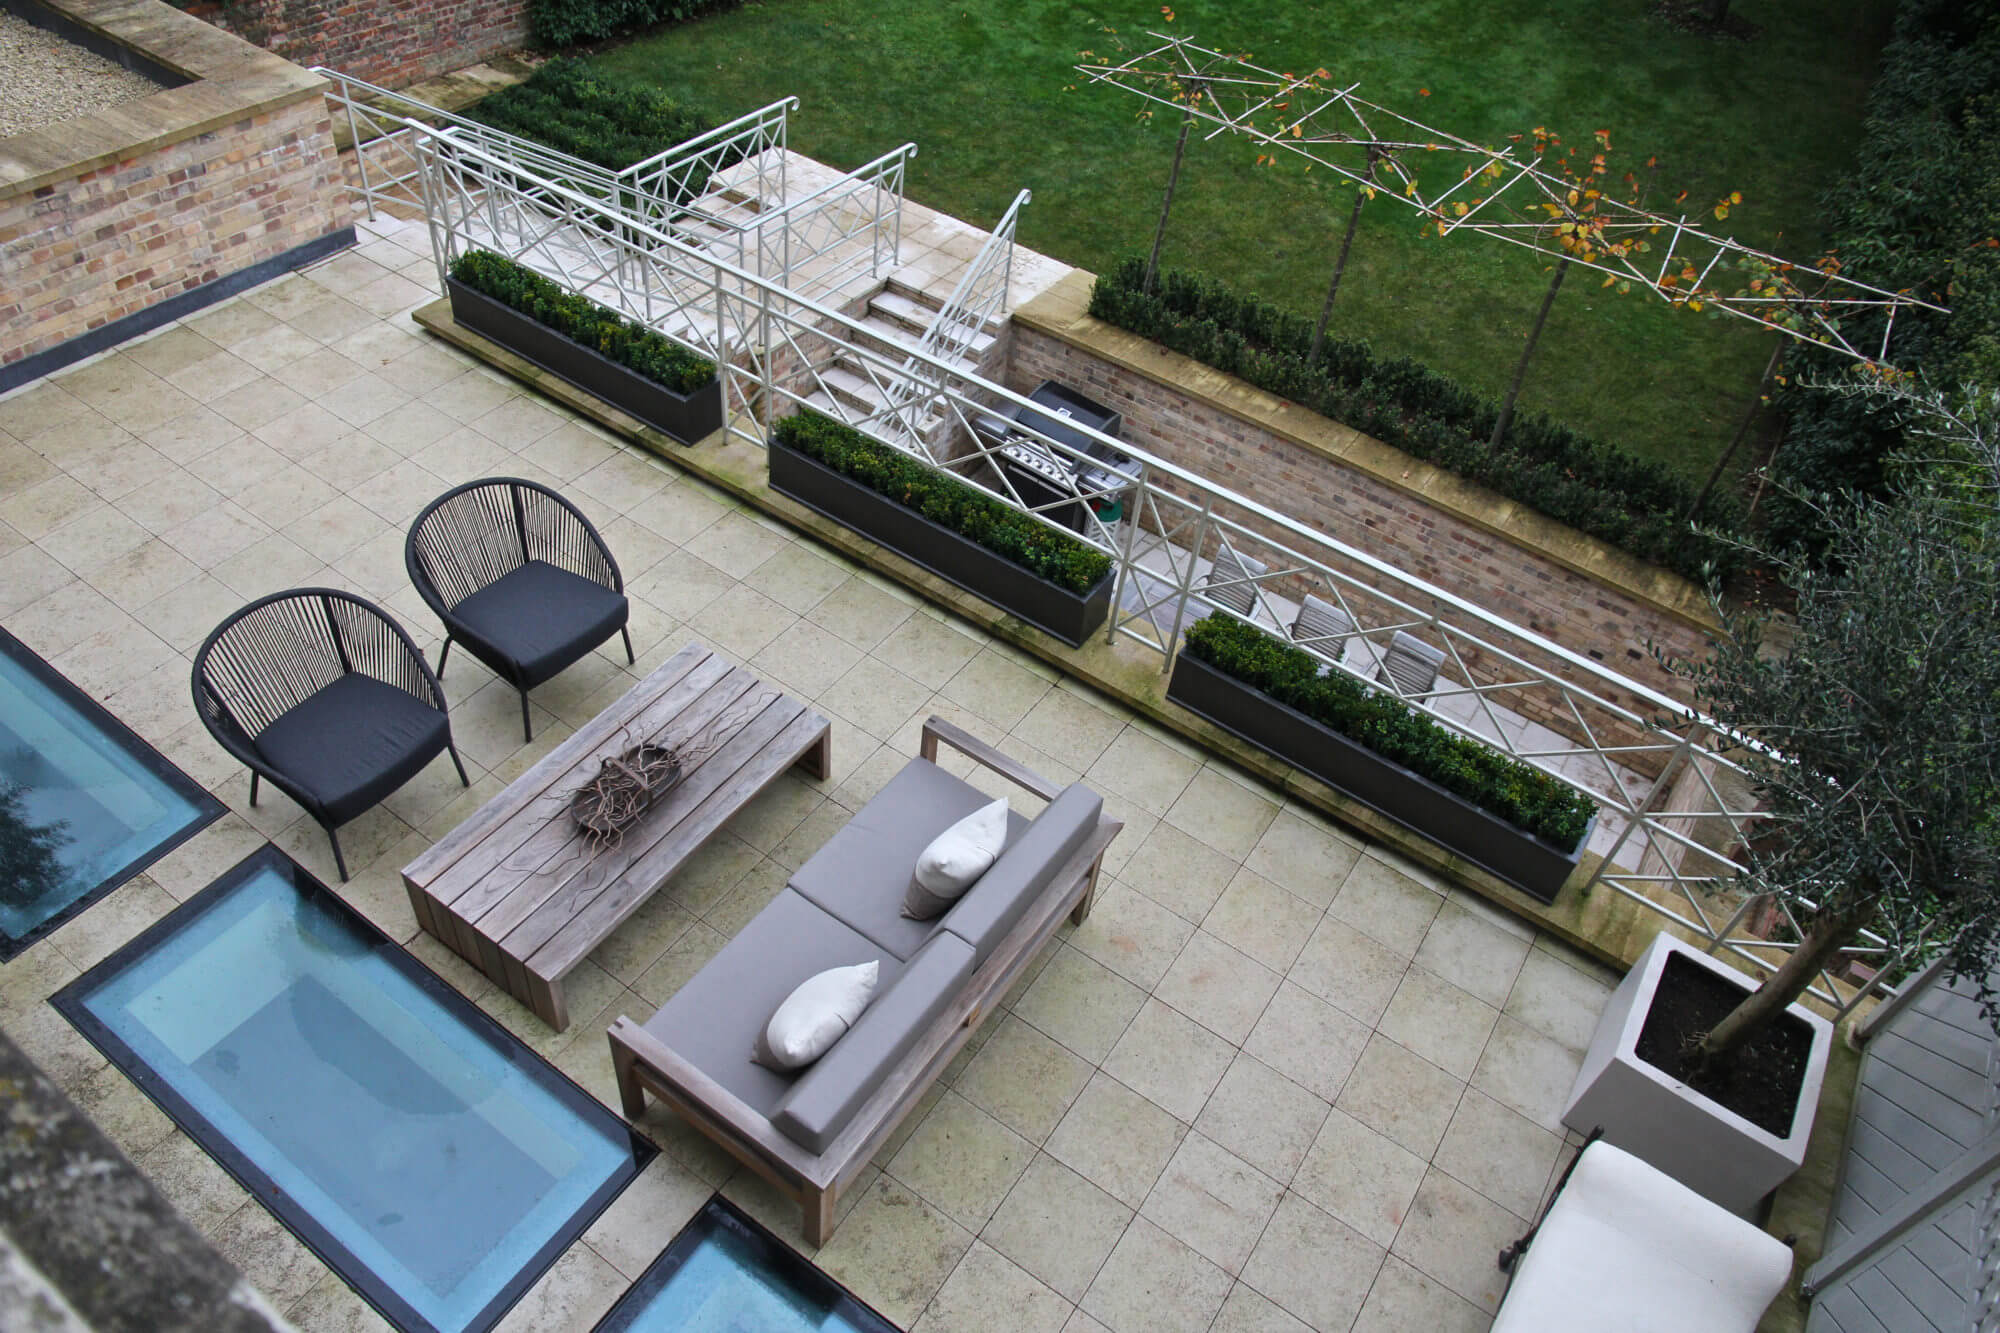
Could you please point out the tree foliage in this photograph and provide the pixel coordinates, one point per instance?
(29, 870)
(1879, 775)
(1920, 213)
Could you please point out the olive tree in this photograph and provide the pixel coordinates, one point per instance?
(1878, 731)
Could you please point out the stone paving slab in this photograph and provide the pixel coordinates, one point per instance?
(1231, 1099)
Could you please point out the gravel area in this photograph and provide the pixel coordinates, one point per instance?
(44, 79)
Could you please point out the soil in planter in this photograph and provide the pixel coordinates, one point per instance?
(1760, 1082)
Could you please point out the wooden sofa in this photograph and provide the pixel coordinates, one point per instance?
(813, 1132)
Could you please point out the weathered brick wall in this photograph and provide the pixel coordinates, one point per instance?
(390, 42)
(1590, 617)
(82, 251)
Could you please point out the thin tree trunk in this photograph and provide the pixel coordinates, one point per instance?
(1742, 430)
(1826, 937)
(1527, 355)
(1340, 261)
(1167, 203)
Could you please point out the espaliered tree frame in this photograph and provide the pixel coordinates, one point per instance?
(1500, 193)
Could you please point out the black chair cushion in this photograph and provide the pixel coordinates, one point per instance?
(352, 743)
(536, 620)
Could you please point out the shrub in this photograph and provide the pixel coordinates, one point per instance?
(947, 501)
(1572, 478)
(582, 320)
(601, 117)
(1516, 792)
(555, 23)
(1918, 213)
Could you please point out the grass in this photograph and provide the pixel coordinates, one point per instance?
(989, 97)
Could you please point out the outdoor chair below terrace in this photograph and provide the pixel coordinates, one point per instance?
(520, 577)
(1232, 581)
(325, 697)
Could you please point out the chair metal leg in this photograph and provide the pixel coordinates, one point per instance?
(463, 781)
(443, 653)
(253, 788)
(340, 862)
(625, 633)
(527, 727)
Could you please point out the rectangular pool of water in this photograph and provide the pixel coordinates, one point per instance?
(84, 803)
(726, 1274)
(423, 1151)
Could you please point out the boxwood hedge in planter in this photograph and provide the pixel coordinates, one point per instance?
(955, 530)
(628, 365)
(1494, 811)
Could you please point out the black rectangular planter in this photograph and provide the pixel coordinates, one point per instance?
(1418, 804)
(686, 417)
(1068, 616)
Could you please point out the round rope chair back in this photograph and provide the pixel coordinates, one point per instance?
(279, 651)
(474, 535)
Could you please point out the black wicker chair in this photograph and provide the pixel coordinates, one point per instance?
(520, 577)
(326, 696)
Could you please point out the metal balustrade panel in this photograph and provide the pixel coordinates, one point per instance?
(1671, 799)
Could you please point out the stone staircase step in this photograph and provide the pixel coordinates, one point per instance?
(854, 387)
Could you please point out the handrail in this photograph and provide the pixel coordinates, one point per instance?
(761, 119)
(959, 318)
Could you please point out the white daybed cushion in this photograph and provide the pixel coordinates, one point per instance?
(1628, 1247)
(817, 1013)
(955, 859)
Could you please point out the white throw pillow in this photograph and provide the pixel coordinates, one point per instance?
(817, 1013)
(955, 858)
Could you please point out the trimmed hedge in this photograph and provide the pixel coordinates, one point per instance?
(582, 320)
(586, 112)
(1919, 212)
(555, 23)
(1628, 502)
(947, 501)
(1516, 792)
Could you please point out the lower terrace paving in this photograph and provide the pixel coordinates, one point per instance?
(1280, 1079)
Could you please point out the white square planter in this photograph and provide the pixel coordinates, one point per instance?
(1661, 1120)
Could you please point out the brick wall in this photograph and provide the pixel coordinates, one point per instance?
(87, 249)
(1590, 617)
(390, 42)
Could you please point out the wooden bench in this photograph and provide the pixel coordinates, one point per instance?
(517, 892)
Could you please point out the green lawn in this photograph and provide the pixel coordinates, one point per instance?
(990, 100)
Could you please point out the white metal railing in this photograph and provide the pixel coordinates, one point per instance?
(679, 177)
(824, 238)
(383, 125)
(725, 190)
(955, 330)
(1674, 805)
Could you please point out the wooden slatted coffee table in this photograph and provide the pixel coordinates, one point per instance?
(515, 890)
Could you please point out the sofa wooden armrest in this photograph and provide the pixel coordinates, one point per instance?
(938, 730)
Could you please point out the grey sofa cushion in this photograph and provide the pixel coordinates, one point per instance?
(991, 906)
(714, 1019)
(860, 874)
(826, 1096)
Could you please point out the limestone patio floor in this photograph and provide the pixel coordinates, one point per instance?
(1280, 1079)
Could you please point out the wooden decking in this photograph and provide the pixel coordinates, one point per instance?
(515, 890)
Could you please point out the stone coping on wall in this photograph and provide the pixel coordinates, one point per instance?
(231, 80)
(1062, 312)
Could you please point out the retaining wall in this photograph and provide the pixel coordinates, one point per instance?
(113, 222)
(390, 42)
